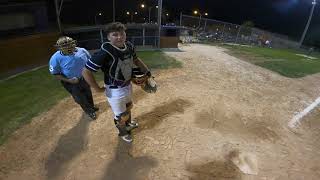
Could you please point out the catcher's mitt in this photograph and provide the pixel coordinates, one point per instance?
(145, 81)
(150, 85)
(138, 77)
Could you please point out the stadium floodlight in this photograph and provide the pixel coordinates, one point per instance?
(200, 15)
(308, 23)
(149, 10)
(95, 17)
(131, 14)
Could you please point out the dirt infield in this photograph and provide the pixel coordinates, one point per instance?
(203, 113)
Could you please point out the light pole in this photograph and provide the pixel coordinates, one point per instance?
(95, 17)
(143, 6)
(149, 9)
(58, 11)
(95, 21)
(149, 17)
(113, 12)
(200, 15)
(308, 23)
(159, 21)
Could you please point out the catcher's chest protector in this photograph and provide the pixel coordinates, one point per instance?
(122, 61)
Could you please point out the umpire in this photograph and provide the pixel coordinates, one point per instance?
(66, 65)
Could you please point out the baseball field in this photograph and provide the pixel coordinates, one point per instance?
(221, 112)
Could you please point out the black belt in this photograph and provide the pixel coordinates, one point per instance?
(79, 78)
(116, 87)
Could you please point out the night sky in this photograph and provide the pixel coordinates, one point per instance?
(287, 17)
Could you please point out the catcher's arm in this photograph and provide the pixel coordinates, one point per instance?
(144, 68)
(88, 76)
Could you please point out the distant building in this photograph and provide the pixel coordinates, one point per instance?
(23, 19)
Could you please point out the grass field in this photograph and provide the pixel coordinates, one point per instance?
(27, 95)
(283, 61)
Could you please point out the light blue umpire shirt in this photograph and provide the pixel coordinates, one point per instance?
(69, 66)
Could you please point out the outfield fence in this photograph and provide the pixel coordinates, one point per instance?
(204, 29)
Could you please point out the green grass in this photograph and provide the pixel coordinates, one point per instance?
(24, 97)
(158, 60)
(29, 94)
(282, 61)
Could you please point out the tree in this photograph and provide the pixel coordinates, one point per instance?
(246, 27)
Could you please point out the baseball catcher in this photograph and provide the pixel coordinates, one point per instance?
(116, 59)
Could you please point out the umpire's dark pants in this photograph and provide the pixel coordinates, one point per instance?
(81, 93)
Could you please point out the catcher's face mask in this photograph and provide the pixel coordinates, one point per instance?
(66, 45)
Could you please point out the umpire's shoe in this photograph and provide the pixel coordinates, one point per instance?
(92, 115)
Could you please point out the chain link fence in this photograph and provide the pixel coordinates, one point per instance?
(209, 30)
(143, 36)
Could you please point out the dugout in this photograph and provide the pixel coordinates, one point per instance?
(169, 37)
(23, 53)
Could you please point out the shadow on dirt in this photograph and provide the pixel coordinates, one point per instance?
(124, 166)
(69, 146)
(158, 114)
(74, 142)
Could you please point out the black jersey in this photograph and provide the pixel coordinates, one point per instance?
(116, 63)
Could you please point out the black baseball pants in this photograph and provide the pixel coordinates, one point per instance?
(81, 94)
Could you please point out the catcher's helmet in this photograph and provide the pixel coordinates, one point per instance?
(138, 77)
(66, 45)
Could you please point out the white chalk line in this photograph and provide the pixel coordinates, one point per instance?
(296, 120)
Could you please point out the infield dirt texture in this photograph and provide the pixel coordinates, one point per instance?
(202, 113)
